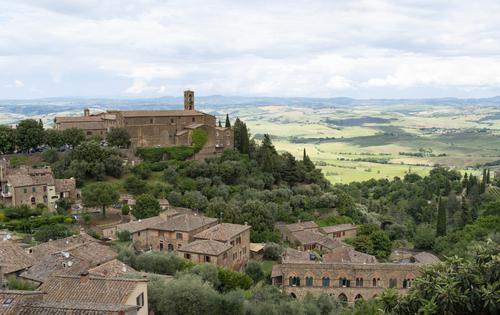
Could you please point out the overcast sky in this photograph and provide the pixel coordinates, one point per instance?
(152, 48)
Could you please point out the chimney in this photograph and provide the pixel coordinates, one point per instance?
(86, 112)
(84, 277)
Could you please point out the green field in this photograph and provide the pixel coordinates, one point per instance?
(363, 142)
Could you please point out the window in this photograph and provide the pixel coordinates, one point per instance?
(33, 200)
(193, 119)
(235, 256)
(326, 281)
(44, 188)
(25, 190)
(232, 243)
(151, 121)
(374, 282)
(138, 233)
(309, 281)
(244, 250)
(238, 240)
(225, 255)
(139, 300)
(171, 120)
(294, 281)
(207, 258)
(393, 283)
(178, 236)
(407, 283)
(359, 282)
(187, 256)
(343, 282)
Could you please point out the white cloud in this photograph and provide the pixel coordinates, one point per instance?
(299, 48)
(18, 83)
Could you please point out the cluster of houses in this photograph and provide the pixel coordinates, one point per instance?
(74, 275)
(322, 263)
(191, 236)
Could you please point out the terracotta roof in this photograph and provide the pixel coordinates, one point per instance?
(92, 290)
(56, 264)
(307, 236)
(44, 250)
(205, 247)
(338, 228)
(184, 222)
(156, 113)
(222, 232)
(294, 227)
(139, 225)
(13, 258)
(16, 299)
(111, 269)
(94, 253)
(65, 308)
(63, 185)
(194, 126)
(21, 180)
(425, 258)
(347, 254)
(330, 243)
(181, 132)
(296, 256)
(67, 119)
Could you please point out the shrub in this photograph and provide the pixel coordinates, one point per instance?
(19, 284)
(272, 251)
(53, 231)
(123, 236)
(199, 138)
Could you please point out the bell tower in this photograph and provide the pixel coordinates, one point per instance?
(188, 100)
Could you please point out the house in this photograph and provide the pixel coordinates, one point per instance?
(31, 186)
(340, 231)
(170, 233)
(12, 301)
(111, 269)
(287, 230)
(86, 289)
(224, 244)
(344, 273)
(257, 250)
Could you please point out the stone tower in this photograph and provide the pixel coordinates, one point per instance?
(188, 100)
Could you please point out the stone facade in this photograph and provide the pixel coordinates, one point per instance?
(346, 281)
(340, 231)
(148, 128)
(31, 186)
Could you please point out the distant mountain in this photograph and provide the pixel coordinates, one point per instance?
(48, 106)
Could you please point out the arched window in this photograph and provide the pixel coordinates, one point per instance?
(407, 283)
(170, 247)
(359, 282)
(343, 282)
(294, 281)
(342, 298)
(393, 283)
(309, 281)
(326, 281)
(33, 200)
(358, 298)
(374, 282)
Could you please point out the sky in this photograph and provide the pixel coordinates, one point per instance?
(293, 48)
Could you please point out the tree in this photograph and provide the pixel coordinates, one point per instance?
(158, 262)
(441, 219)
(309, 165)
(118, 137)
(73, 136)
(466, 214)
(100, 195)
(135, 186)
(50, 156)
(241, 137)
(7, 139)
(54, 138)
(488, 177)
(125, 209)
(424, 237)
(146, 206)
(272, 251)
(52, 232)
(456, 286)
(30, 134)
(228, 122)
(254, 270)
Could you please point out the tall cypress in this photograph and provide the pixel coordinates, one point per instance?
(307, 161)
(482, 188)
(220, 123)
(488, 178)
(228, 122)
(441, 219)
(466, 213)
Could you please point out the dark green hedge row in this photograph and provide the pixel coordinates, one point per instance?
(157, 154)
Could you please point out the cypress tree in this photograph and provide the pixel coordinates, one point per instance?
(220, 123)
(482, 189)
(307, 161)
(466, 214)
(488, 178)
(228, 122)
(441, 219)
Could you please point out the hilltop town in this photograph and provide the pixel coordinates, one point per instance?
(159, 211)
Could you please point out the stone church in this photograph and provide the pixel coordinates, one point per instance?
(148, 128)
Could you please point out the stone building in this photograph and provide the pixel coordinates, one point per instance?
(287, 231)
(31, 186)
(340, 231)
(343, 273)
(224, 244)
(148, 128)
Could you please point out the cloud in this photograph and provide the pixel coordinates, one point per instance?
(358, 48)
(18, 83)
